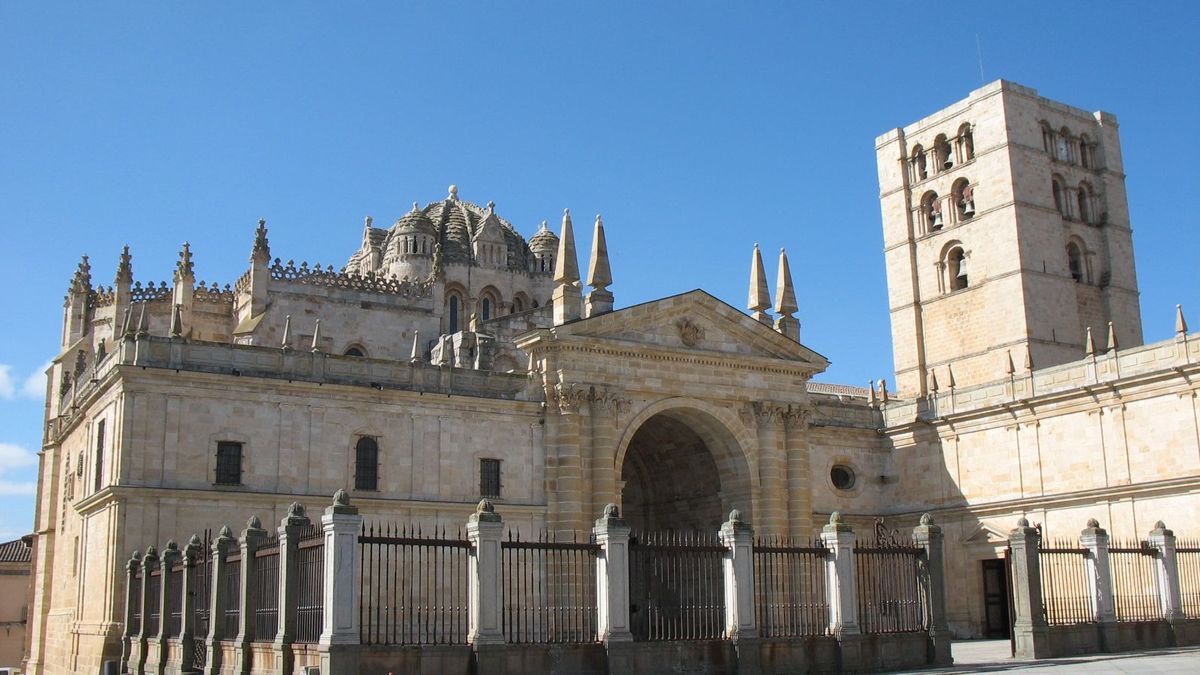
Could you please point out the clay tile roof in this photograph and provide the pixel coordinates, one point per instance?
(837, 389)
(16, 551)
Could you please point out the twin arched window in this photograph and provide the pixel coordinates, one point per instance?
(1063, 146)
(956, 269)
(366, 464)
(944, 155)
(1073, 203)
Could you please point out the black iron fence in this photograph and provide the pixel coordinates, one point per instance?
(266, 590)
(135, 604)
(1066, 591)
(310, 601)
(413, 588)
(1187, 556)
(1135, 581)
(202, 603)
(791, 599)
(174, 601)
(676, 586)
(549, 590)
(153, 588)
(886, 581)
(233, 595)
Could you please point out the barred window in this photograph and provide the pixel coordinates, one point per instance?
(99, 477)
(366, 464)
(489, 478)
(229, 463)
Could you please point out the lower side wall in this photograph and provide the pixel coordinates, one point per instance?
(1092, 638)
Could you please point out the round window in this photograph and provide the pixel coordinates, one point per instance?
(842, 477)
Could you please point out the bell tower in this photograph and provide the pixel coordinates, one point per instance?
(1006, 237)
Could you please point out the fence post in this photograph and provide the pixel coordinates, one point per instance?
(838, 539)
(1031, 635)
(217, 599)
(187, 606)
(483, 599)
(928, 536)
(612, 577)
(1100, 583)
(1166, 567)
(340, 525)
(289, 567)
(149, 564)
(738, 539)
(252, 538)
(133, 599)
(170, 554)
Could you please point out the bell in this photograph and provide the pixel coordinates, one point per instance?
(962, 268)
(947, 162)
(968, 208)
(937, 220)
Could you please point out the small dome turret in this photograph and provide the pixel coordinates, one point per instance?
(543, 245)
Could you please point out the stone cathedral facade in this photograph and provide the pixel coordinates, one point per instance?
(450, 357)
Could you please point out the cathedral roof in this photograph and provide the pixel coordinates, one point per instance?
(415, 221)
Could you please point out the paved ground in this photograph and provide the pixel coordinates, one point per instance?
(976, 656)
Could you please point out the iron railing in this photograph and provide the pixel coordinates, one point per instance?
(676, 586)
(1066, 591)
(266, 590)
(233, 595)
(135, 602)
(789, 588)
(413, 588)
(549, 590)
(201, 603)
(887, 583)
(174, 591)
(310, 601)
(153, 587)
(1135, 581)
(1187, 557)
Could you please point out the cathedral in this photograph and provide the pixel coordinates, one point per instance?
(451, 358)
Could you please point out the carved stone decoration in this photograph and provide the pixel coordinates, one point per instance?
(690, 333)
(767, 413)
(568, 397)
(796, 417)
(610, 402)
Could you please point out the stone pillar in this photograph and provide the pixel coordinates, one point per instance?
(187, 606)
(156, 659)
(290, 530)
(799, 482)
(1167, 569)
(1031, 635)
(838, 539)
(484, 594)
(137, 663)
(1099, 577)
(738, 566)
(341, 525)
(252, 538)
(612, 577)
(929, 537)
(217, 600)
(133, 601)
(772, 468)
(564, 465)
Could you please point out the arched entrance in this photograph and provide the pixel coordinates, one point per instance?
(683, 470)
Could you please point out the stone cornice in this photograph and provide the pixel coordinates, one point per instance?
(648, 352)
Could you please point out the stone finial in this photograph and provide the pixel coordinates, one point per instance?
(341, 504)
(1089, 345)
(341, 498)
(295, 510)
(253, 523)
(735, 516)
(611, 511)
(926, 520)
(184, 269)
(262, 248)
(566, 264)
(1092, 523)
(933, 383)
(950, 376)
(136, 555)
(415, 357)
(484, 513)
(125, 268)
(599, 273)
(128, 327)
(1181, 327)
(1022, 522)
(760, 297)
(316, 341)
(785, 294)
(369, 221)
(287, 332)
(194, 541)
(1009, 366)
(871, 393)
(224, 532)
(453, 193)
(81, 281)
(883, 391)
(836, 523)
(177, 320)
(143, 325)
(1028, 359)
(1112, 338)
(491, 206)
(1158, 525)
(485, 506)
(835, 518)
(151, 554)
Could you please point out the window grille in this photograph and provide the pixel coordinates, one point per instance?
(99, 477)
(229, 463)
(489, 478)
(366, 464)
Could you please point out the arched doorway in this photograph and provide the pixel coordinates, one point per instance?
(683, 470)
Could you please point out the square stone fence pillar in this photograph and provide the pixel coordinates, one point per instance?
(738, 566)
(252, 538)
(156, 657)
(1031, 635)
(838, 539)
(193, 554)
(218, 599)
(340, 525)
(612, 577)
(1166, 568)
(137, 662)
(932, 581)
(133, 603)
(484, 589)
(290, 529)
(1099, 572)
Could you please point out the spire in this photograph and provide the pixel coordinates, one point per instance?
(600, 300)
(950, 375)
(760, 298)
(566, 265)
(933, 383)
(1181, 327)
(124, 268)
(1009, 366)
(785, 299)
(183, 267)
(415, 357)
(287, 332)
(1089, 344)
(143, 324)
(1112, 338)
(316, 342)
(871, 392)
(81, 281)
(176, 321)
(1028, 359)
(262, 248)
(128, 329)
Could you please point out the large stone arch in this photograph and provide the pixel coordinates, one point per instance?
(683, 464)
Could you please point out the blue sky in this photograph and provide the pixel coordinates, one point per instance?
(697, 129)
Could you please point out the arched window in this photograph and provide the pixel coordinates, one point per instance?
(917, 162)
(355, 350)
(941, 151)
(1084, 198)
(931, 212)
(454, 311)
(1075, 262)
(1060, 202)
(1047, 139)
(1085, 151)
(366, 464)
(486, 309)
(518, 305)
(966, 143)
(956, 268)
(964, 199)
(1062, 146)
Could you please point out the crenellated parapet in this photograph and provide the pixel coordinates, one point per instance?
(371, 283)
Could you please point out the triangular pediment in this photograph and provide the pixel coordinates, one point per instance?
(693, 322)
(986, 534)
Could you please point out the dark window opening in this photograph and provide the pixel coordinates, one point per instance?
(842, 477)
(355, 351)
(957, 264)
(453, 328)
(229, 463)
(99, 477)
(366, 464)
(1075, 262)
(487, 309)
(489, 478)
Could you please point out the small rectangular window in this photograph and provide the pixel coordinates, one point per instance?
(99, 477)
(229, 463)
(489, 478)
(366, 464)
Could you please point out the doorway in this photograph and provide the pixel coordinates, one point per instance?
(995, 599)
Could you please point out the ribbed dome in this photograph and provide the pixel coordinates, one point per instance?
(544, 241)
(415, 221)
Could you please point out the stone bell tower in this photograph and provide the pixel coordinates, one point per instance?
(1006, 238)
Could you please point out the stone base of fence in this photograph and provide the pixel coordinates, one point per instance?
(1126, 636)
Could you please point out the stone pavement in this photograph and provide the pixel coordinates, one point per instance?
(977, 656)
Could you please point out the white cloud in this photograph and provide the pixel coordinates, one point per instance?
(17, 488)
(35, 385)
(16, 458)
(32, 387)
(7, 388)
